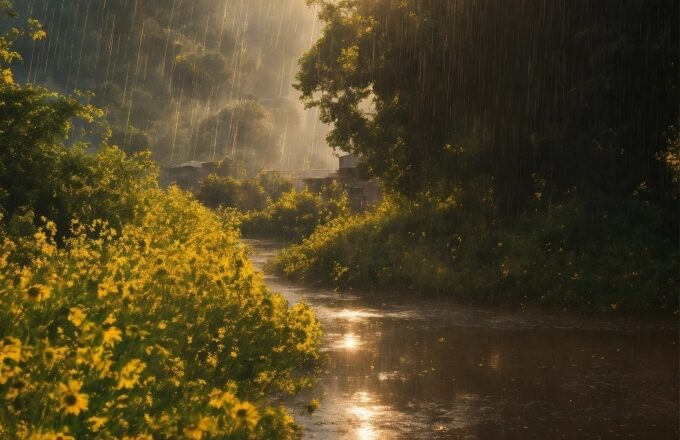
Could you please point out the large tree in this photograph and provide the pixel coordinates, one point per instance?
(432, 93)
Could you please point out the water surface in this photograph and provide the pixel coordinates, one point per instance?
(401, 367)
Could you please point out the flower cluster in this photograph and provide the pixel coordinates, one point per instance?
(160, 329)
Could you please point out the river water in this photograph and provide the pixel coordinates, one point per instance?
(401, 367)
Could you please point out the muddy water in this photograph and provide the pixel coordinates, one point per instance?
(407, 368)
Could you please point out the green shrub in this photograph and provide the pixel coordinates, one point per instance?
(274, 184)
(295, 214)
(588, 253)
(245, 195)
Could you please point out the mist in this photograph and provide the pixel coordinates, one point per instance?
(189, 80)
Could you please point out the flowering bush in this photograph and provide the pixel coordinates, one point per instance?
(161, 329)
(295, 215)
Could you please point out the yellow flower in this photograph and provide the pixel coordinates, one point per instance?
(218, 398)
(38, 292)
(208, 424)
(76, 316)
(96, 423)
(129, 375)
(112, 335)
(245, 413)
(104, 368)
(72, 401)
(51, 435)
(193, 432)
(17, 387)
(7, 77)
(52, 356)
(10, 348)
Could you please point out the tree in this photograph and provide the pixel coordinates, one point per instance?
(45, 168)
(432, 93)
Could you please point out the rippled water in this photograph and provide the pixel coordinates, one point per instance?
(400, 367)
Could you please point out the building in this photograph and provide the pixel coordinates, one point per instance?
(362, 193)
(187, 175)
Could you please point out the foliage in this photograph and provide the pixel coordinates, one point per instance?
(245, 195)
(525, 144)
(160, 327)
(175, 77)
(274, 184)
(40, 176)
(671, 156)
(126, 311)
(435, 93)
(581, 254)
(296, 214)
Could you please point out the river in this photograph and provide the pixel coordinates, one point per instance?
(403, 367)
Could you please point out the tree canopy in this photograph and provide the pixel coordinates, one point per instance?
(431, 93)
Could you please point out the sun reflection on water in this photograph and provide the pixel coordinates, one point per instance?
(366, 433)
(366, 412)
(350, 341)
(355, 315)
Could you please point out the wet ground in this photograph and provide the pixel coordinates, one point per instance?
(401, 367)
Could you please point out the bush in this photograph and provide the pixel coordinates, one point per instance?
(587, 253)
(125, 311)
(274, 184)
(296, 214)
(160, 327)
(245, 195)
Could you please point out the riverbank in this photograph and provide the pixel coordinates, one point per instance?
(598, 260)
(405, 367)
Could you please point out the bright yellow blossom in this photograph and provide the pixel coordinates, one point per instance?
(51, 356)
(76, 316)
(6, 75)
(96, 423)
(72, 401)
(129, 375)
(208, 424)
(246, 414)
(111, 336)
(10, 348)
(219, 399)
(38, 292)
(193, 432)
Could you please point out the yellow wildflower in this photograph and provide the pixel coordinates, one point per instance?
(193, 432)
(82, 356)
(7, 77)
(104, 368)
(208, 424)
(218, 398)
(51, 356)
(72, 401)
(129, 375)
(17, 387)
(10, 348)
(38, 292)
(112, 335)
(76, 316)
(245, 413)
(212, 360)
(96, 423)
